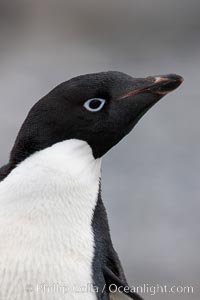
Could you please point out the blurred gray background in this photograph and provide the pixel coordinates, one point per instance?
(151, 179)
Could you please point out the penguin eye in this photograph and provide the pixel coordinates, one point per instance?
(94, 104)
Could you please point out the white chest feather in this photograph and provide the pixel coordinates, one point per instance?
(46, 238)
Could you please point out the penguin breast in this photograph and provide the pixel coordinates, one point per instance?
(46, 236)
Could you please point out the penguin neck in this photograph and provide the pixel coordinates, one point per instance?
(64, 176)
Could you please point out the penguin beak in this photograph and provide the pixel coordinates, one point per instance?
(165, 83)
(159, 85)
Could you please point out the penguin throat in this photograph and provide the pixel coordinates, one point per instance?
(66, 172)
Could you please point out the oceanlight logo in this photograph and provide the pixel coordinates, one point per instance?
(144, 289)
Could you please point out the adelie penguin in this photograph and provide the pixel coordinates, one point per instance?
(54, 235)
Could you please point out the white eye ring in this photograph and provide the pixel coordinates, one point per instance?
(94, 104)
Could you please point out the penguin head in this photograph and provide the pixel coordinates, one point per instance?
(98, 108)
